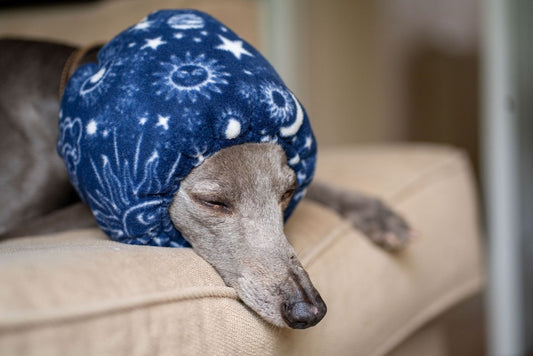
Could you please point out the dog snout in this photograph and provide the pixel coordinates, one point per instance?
(303, 306)
(302, 314)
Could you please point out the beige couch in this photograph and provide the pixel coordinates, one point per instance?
(78, 293)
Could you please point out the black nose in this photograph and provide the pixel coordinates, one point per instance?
(301, 314)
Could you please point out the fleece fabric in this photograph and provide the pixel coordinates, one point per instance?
(165, 95)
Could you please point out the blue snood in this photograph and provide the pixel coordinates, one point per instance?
(165, 95)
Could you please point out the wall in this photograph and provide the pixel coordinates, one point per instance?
(373, 71)
(90, 22)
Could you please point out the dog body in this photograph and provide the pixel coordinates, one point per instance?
(230, 208)
(33, 177)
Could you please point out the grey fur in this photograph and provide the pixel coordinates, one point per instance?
(368, 214)
(33, 179)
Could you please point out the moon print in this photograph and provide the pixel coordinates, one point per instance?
(231, 123)
(141, 217)
(186, 22)
(96, 80)
(233, 129)
(293, 129)
(190, 78)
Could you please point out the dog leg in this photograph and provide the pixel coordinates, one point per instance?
(368, 214)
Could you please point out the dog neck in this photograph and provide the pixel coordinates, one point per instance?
(77, 57)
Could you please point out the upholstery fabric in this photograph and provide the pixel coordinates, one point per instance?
(80, 293)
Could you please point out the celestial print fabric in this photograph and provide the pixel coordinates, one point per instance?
(165, 95)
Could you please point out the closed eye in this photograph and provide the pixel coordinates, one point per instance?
(215, 203)
(287, 195)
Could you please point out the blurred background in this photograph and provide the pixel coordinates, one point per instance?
(366, 71)
(372, 72)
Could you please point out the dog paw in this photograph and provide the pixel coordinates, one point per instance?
(383, 226)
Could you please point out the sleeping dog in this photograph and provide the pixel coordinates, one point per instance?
(176, 133)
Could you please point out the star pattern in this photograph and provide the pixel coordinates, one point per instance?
(235, 47)
(153, 43)
(163, 121)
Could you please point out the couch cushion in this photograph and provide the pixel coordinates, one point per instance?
(79, 293)
(376, 299)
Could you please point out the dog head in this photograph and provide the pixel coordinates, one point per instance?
(231, 210)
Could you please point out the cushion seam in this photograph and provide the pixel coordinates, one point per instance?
(432, 310)
(325, 242)
(66, 315)
(409, 190)
(424, 180)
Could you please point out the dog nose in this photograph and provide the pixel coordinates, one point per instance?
(302, 315)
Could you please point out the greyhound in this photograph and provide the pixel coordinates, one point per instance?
(229, 208)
